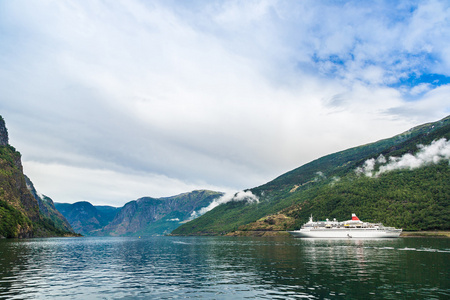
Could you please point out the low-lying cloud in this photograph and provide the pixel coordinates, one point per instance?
(433, 153)
(229, 197)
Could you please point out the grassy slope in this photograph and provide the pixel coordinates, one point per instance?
(412, 199)
(305, 190)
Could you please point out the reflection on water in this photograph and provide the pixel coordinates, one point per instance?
(224, 268)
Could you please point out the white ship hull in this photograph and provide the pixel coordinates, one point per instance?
(353, 228)
(346, 233)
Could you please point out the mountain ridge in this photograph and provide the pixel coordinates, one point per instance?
(85, 217)
(307, 182)
(144, 216)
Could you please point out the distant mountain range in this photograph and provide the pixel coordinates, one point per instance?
(24, 213)
(145, 216)
(85, 217)
(403, 181)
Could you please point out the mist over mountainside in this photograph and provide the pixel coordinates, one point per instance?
(408, 186)
(24, 213)
(145, 216)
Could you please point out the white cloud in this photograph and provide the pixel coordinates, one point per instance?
(421, 88)
(230, 94)
(432, 154)
(430, 105)
(247, 196)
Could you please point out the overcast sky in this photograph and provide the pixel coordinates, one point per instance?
(109, 101)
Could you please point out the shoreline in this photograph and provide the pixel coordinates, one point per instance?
(407, 234)
(437, 234)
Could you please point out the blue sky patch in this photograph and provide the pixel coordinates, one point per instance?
(433, 79)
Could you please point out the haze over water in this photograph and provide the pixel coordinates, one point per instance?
(224, 268)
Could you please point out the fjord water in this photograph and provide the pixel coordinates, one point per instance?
(224, 268)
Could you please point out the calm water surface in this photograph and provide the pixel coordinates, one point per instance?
(224, 268)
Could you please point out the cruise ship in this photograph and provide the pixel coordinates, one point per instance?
(353, 228)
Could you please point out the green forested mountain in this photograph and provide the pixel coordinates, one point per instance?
(402, 181)
(21, 213)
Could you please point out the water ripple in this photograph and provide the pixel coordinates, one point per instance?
(223, 268)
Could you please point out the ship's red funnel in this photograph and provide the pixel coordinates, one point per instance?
(354, 218)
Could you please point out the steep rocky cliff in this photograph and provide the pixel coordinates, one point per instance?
(47, 207)
(4, 140)
(20, 215)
